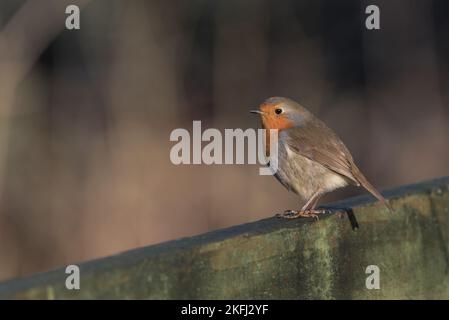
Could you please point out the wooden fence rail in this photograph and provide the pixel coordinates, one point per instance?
(281, 259)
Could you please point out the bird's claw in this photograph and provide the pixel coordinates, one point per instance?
(288, 214)
(293, 214)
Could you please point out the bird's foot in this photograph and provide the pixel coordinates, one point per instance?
(309, 213)
(287, 214)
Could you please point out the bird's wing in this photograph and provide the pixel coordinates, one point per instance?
(319, 143)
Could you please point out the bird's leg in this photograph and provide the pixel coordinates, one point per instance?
(313, 205)
(307, 211)
(314, 202)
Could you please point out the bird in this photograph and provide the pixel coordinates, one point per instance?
(312, 159)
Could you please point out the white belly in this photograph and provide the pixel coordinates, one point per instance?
(304, 176)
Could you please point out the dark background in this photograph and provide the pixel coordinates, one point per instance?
(85, 116)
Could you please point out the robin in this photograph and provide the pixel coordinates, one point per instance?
(312, 160)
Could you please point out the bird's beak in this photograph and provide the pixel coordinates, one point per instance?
(257, 111)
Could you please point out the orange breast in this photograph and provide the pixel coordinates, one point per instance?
(271, 122)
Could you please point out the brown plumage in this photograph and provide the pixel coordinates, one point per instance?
(312, 160)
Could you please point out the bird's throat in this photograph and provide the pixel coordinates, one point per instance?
(279, 123)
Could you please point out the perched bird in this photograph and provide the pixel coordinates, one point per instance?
(312, 160)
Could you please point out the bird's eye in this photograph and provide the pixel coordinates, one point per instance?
(278, 111)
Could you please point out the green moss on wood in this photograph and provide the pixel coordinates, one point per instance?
(281, 259)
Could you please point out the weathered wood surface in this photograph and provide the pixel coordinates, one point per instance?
(281, 259)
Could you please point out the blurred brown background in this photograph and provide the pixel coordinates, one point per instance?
(85, 116)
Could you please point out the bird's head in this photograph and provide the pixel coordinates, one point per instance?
(281, 113)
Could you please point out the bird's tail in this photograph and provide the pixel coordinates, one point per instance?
(368, 186)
